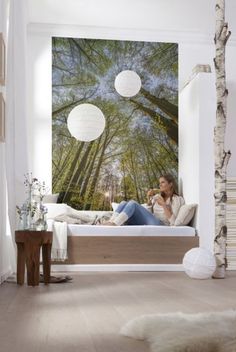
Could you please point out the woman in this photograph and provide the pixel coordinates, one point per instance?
(162, 208)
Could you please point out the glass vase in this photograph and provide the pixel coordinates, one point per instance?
(41, 223)
(31, 223)
(23, 221)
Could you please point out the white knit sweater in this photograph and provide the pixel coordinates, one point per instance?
(175, 204)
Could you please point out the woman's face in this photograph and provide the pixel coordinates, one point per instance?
(164, 185)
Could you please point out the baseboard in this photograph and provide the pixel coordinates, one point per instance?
(117, 267)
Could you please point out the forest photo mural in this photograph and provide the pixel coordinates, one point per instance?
(140, 138)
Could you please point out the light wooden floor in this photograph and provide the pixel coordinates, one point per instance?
(87, 314)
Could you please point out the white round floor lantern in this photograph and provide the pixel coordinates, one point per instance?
(199, 263)
(128, 83)
(86, 122)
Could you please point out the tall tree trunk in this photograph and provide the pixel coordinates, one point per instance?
(170, 109)
(133, 165)
(221, 157)
(154, 161)
(61, 170)
(72, 171)
(89, 170)
(90, 193)
(82, 166)
(79, 170)
(124, 180)
(164, 123)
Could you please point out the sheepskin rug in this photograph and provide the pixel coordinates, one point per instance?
(178, 332)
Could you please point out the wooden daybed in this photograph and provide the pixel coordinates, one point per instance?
(129, 244)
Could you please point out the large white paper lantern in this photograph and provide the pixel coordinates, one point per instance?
(127, 83)
(86, 122)
(199, 263)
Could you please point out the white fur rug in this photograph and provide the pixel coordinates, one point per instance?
(178, 332)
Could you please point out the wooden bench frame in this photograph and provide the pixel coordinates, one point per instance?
(129, 249)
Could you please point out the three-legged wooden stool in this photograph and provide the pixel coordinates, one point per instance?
(28, 252)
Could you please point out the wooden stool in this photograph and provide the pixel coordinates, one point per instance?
(28, 252)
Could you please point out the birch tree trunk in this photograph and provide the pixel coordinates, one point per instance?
(221, 157)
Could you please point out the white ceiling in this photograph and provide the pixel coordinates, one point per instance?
(172, 15)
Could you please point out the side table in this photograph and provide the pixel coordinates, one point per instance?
(28, 252)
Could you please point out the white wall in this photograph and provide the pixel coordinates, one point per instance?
(169, 15)
(196, 152)
(40, 106)
(39, 59)
(188, 22)
(163, 21)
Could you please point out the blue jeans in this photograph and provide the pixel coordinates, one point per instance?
(137, 214)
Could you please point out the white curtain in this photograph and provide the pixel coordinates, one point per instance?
(16, 111)
(5, 239)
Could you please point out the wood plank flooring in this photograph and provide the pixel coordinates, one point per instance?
(86, 315)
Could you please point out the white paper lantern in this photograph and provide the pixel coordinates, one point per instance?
(127, 83)
(86, 122)
(199, 263)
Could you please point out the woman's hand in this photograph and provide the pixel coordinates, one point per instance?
(161, 201)
(150, 193)
(167, 208)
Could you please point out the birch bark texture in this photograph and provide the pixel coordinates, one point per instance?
(221, 156)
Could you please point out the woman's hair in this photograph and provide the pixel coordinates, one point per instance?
(170, 179)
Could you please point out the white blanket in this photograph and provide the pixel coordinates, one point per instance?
(59, 242)
(66, 215)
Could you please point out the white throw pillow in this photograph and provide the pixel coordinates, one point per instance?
(185, 214)
(55, 209)
(50, 198)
